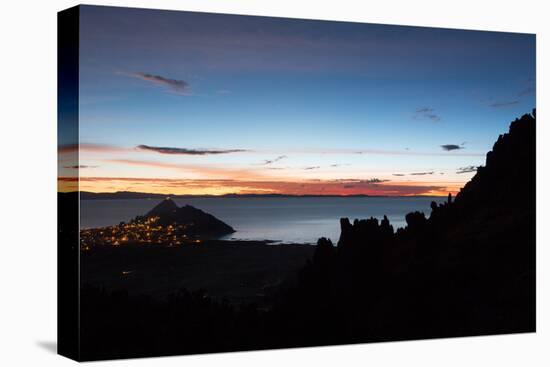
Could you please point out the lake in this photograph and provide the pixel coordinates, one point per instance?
(286, 220)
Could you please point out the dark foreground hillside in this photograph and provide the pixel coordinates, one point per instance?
(467, 269)
(237, 271)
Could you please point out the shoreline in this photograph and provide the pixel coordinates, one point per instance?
(207, 242)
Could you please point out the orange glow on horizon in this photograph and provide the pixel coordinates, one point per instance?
(223, 187)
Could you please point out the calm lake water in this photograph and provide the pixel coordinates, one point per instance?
(298, 220)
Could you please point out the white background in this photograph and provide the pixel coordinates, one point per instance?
(28, 178)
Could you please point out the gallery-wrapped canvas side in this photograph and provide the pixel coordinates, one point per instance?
(68, 203)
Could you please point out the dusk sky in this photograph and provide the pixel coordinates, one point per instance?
(193, 103)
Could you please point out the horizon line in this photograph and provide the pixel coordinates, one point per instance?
(244, 195)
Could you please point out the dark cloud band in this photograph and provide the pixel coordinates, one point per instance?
(451, 147)
(422, 173)
(185, 151)
(178, 86)
(467, 169)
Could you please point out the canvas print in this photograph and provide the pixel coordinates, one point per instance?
(234, 183)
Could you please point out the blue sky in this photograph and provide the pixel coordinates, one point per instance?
(340, 101)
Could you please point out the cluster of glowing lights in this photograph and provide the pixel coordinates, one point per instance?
(137, 232)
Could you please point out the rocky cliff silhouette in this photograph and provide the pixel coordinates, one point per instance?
(467, 269)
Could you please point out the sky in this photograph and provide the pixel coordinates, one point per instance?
(197, 103)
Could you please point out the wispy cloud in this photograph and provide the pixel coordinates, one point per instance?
(422, 173)
(311, 168)
(504, 104)
(375, 180)
(352, 184)
(81, 166)
(186, 151)
(467, 169)
(271, 161)
(413, 174)
(426, 113)
(368, 181)
(451, 147)
(175, 85)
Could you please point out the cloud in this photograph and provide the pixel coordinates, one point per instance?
(413, 174)
(271, 161)
(467, 169)
(450, 147)
(503, 104)
(185, 151)
(82, 166)
(374, 180)
(426, 113)
(422, 173)
(175, 85)
(311, 168)
(361, 181)
(103, 148)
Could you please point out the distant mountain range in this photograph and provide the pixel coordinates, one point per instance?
(86, 195)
